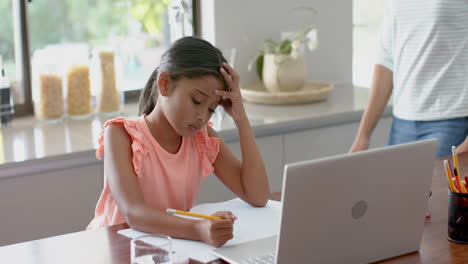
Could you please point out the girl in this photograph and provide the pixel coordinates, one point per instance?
(156, 161)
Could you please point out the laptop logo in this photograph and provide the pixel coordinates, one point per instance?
(359, 209)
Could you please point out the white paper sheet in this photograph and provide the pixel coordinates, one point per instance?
(252, 223)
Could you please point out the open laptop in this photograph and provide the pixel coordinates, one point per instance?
(353, 208)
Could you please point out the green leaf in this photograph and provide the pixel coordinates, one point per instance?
(285, 47)
(260, 59)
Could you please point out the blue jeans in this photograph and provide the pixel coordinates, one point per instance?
(449, 132)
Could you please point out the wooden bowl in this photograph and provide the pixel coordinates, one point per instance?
(311, 92)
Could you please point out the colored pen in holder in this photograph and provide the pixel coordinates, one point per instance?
(458, 217)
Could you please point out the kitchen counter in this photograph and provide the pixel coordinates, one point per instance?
(29, 146)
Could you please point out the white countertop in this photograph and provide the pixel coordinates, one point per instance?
(28, 145)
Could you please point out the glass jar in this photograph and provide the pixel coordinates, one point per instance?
(78, 86)
(105, 82)
(47, 86)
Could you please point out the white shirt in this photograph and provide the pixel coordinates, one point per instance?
(425, 44)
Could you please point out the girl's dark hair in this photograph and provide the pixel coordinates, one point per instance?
(188, 57)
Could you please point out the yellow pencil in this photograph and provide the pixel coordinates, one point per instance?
(449, 177)
(209, 217)
(455, 160)
(454, 183)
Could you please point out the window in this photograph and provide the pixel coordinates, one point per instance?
(136, 30)
(367, 16)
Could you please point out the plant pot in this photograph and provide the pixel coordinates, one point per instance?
(283, 73)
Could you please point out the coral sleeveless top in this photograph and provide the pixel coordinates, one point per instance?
(166, 180)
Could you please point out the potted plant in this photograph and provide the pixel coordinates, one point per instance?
(280, 65)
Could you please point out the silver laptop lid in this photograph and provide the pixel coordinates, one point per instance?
(356, 208)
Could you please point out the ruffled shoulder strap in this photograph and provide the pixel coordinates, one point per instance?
(138, 146)
(208, 148)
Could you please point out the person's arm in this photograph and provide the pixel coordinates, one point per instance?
(247, 179)
(382, 86)
(382, 82)
(463, 147)
(128, 196)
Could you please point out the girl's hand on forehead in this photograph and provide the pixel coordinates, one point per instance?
(232, 99)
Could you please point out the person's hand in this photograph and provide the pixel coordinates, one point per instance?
(225, 215)
(216, 232)
(360, 144)
(463, 147)
(232, 99)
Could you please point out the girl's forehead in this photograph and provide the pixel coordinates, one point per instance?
(207, 84)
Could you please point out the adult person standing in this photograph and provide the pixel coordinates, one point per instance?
(423, 60)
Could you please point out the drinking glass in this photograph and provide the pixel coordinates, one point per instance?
(154, 249)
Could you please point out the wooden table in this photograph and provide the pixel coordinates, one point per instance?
(106, 246)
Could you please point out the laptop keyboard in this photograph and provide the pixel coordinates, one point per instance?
(265, 259)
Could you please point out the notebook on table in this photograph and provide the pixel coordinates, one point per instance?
(252, 223)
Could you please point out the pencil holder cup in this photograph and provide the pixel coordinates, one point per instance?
(458, 217)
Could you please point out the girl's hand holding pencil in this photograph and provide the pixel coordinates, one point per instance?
(215, 229)
(216, 232)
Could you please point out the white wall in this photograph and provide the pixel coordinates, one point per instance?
(245, 24)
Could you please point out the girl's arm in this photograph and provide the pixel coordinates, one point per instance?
(247, 179)
(128, 196)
